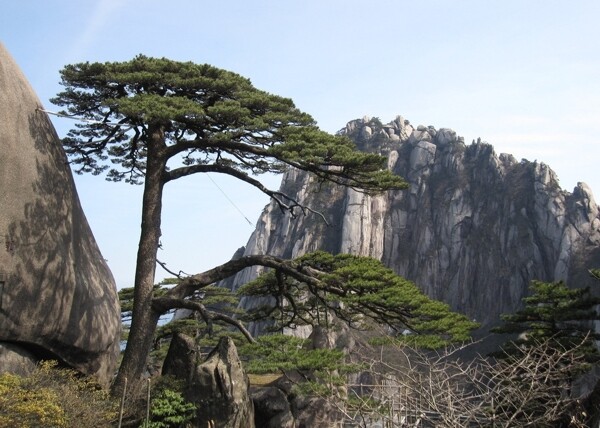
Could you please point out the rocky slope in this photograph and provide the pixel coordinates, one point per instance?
(473, 229)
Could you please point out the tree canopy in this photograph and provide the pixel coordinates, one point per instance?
(356, 290)
(211, 120)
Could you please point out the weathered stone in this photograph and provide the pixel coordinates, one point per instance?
(218, 386)
(366, 132)
(14, 359)
(332, 338)
(182, 358)
(271, 408)
(278, 405)
(419, 135)
(473, 229)
(314, 412)
(445, 136)
(57, 296)
(403, 126)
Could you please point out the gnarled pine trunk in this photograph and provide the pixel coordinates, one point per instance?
(144, 318)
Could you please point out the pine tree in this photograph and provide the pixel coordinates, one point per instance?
(153, 121)
(557, 313)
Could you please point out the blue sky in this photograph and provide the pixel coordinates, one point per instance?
(524, 75)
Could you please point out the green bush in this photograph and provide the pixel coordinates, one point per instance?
(170, 410)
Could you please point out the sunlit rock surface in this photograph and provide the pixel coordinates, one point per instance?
(473, 229)
(58, 298)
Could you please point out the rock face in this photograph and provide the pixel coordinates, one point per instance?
(218, 386)
(272, 408)
(473, 229)
(278, 406)
(58, 298)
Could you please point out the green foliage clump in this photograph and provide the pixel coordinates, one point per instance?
(277, 352)
(557, 313)
(357, 290)
(208, 116)
(170, 410)
(322, 371)
(54, 397)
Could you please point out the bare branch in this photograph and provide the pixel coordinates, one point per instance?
(529, 390)
(164, 304)
(285, 202)
(164, 266)
(193, 283)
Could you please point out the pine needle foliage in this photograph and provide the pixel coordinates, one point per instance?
(210, 117)
(170, 410)
(318, 372)
(359, 291)
(554, 312)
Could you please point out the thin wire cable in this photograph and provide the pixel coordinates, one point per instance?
(229, 199)
(81, 119)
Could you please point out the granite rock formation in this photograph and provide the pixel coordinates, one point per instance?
(218, 386)
(278, 405)
(272, 408)
(58, 298)
(473, 229)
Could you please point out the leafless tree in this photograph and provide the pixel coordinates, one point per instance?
(404, 387)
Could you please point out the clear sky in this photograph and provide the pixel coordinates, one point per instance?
(524, 75)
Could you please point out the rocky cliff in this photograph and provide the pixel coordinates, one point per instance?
(58, 298)
(473, 229)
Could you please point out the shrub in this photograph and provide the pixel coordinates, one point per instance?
(170, 410)
(23, 407)
(54, 397)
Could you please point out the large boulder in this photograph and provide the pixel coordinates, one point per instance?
(218, 386)
(58, 298)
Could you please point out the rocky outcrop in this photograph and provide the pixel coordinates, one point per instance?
(182, 358)
(218, 386)
(17, 360)
(272, 408)
(58, 298)
(278, 405)
(473, 229)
